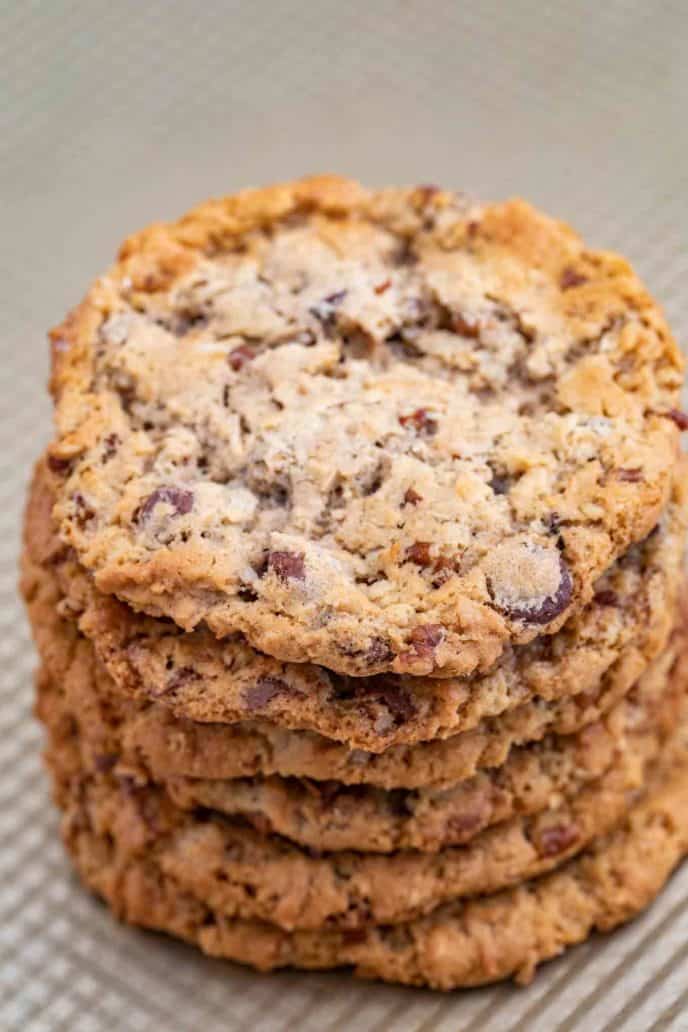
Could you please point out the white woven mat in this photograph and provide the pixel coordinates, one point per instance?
(112, 114)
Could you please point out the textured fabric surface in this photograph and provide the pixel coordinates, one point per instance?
(116, 114)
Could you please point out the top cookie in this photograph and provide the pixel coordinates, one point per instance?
(381, 431)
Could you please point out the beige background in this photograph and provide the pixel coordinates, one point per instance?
(113, 114)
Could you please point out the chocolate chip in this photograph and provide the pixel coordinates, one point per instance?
(443, 568)
(397, 700)
(412, 497)
(556, 839)
(379, 651)
(461, 325)
(463, 825)
(263, 691)
(570, 277)
(287, 565)
(500, 484)
(420, 421)
(84, 512)
(240, 356)
(419, 553)
(353, 936)
(58, 465)
(104, 762)
(553, 522)
(181, 322)
(679, 417)
(549, 608)
(606, 597)
(178, 498)
(399, 802)
(630, 476)
(110, 446)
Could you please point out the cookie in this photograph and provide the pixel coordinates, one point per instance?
(146, 735)
(623, 627)
(387, 431)
(506, 935)
(328, 816)
(658, 817)
(243, 873)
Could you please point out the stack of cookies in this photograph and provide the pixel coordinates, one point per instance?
(355, 567)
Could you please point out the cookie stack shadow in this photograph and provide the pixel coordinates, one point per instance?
(444, 832)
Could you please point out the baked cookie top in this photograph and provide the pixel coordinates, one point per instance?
(381, 431)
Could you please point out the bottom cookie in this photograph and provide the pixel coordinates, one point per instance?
(459, 944)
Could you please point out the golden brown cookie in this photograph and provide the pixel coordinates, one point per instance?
(380, 431)
(196, 676)
(243, 873)
(459, 944)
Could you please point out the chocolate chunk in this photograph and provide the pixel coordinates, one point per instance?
(630, 476)
(427, 634)
(679, 417)
(240, 356)
(178, 498)
(500, 484)
(58, 465)
(462, 825)
(570, 277)
(412, 497)
(110, 446)
(397, 700)
(400, 802)
(552, 522)
(287, 565)
(542, 612)
(419, 553)
(263, 691)
(185, 320)
(353, 936)
(443, 568)
(606, 597)
(378, 652)
(420, 421)
(84, 512)
(104, 762)
(557, 839)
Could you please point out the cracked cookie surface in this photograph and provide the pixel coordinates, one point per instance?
(388, 431)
